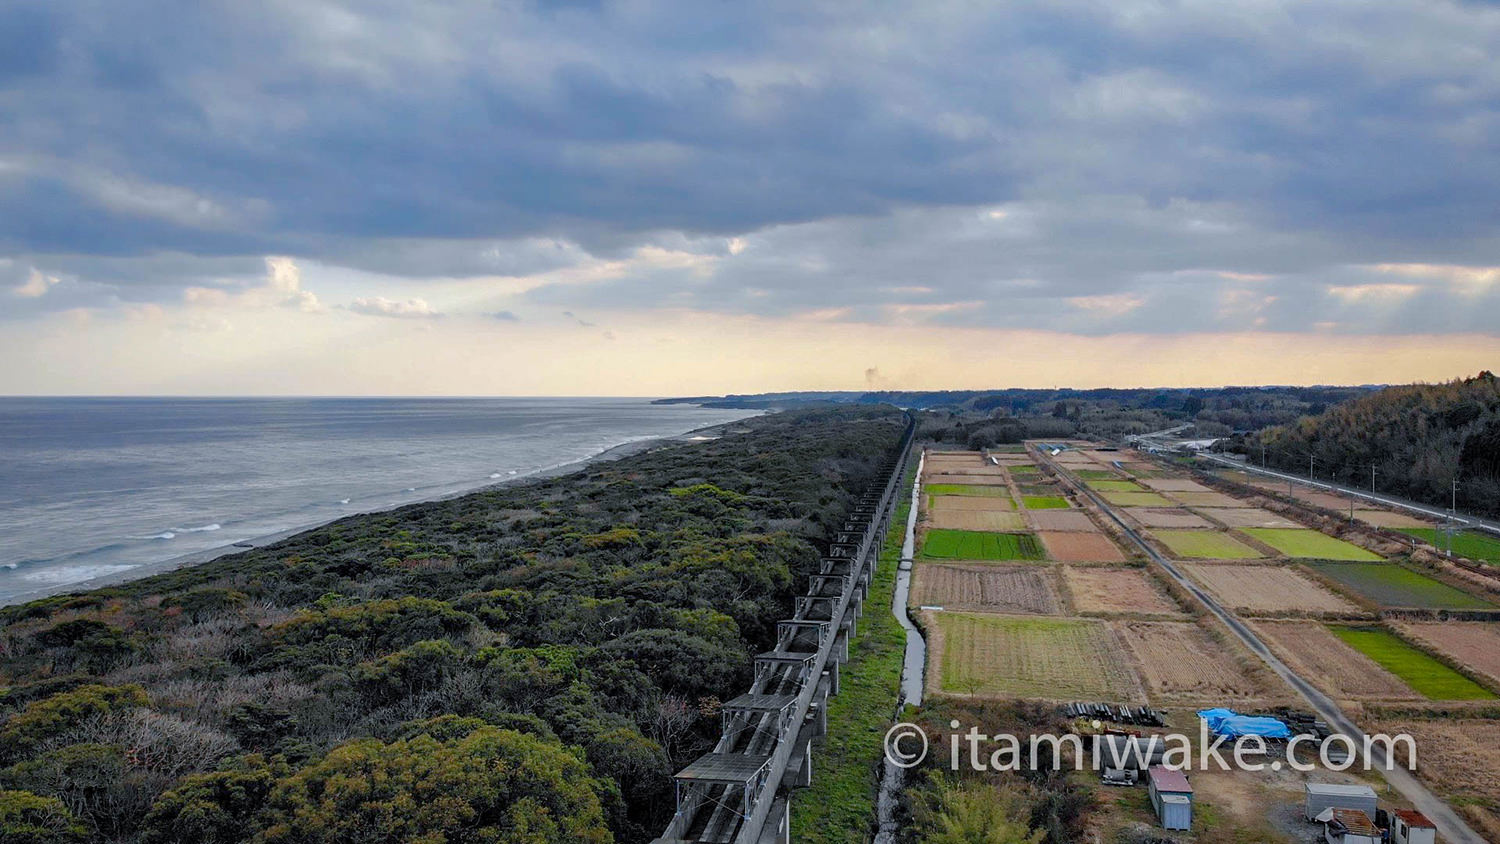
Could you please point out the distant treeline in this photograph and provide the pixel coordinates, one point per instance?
(526, 664)
(1418, 439)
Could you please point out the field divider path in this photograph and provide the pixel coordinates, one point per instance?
(1449, 824)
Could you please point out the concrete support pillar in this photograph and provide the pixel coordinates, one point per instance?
(833, 676)
(804, 774)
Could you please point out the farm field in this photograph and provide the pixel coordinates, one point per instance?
(1460, 757)
(1117, 486)
(1393, 585)
(1325, 660)
(1266, 588)
(1096, 474)
(1474, 644)
(1207, 499)
(961, 478)
(1105, 590)
(1169, 518)
(1077, 458)
(1307, 544)
(989, 503)
(1430, 678)
(1048, 658)
(1081, 547)
(1071, 520)
(1475, 546)
(1045, 502)
(1326, 500)
(1176, 485)
(967, 489)
(1390, 519)
(1024, 589)
(1205, 545)
(1179, 659)
(974, 545)
(1027, 468)
(1243, 517)
(1136, 499)
(982, 520)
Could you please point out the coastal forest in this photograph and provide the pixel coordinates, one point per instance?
(522, 664)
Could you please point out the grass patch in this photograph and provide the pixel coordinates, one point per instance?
(1475, 546)
(1024, 469)
(1310, 544)
(1117, 486)
(978, 545)
(1393, 585)
(840, 805)
(1205, 544)
(974, 490)
(1045, 502)
(1426, 675)
(1137, 499)
(1096, 474)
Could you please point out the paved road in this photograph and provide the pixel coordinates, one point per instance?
(1450, 826)
(1386, 500)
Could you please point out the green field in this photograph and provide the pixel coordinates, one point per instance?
(1307, 544)
(1426, 675)
(1096, 474)
(978, 545)
(1393, 585)
(999, 491)
(1026, 469)
(1205, 544)
(1045, 502)
(1117, 486)
(1052, 658)
(1136, 499)
(1475, 546)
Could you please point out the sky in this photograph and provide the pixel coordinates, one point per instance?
(682, 198)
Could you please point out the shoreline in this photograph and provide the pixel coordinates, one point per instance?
(193, 558)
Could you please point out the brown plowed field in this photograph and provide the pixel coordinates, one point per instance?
(1389, 519)
(985, 503)
(1179, 659)
(1252, 517)
(1024, 589)
(1159, 517)
(1080, 547)
(1007, 656)
(1460, 757)
(1117, 590)
(1070, 520)
(1175, 485)
(1268, 589)
(1076, 458)
(1326, 500)
(1207, 499)
(1326, 661)
(971, 480)
(989, 520)
(1473, 644)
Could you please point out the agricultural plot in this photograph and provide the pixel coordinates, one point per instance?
(1104, 590)
(1472, 644)
(1096, 474)
(1011, 589)
(1136, 499)
(1048, 658)
(1430, 678)
(967, 489)
(1076, 458)
(1117, 486)
(1040, 489)
(1080, 547)
(988, 503)
(1055, 519)
(1341, 671)
(1170, 518)
(1027, 468)
(1263, 588)
(981, 520)
(1045, 502)
(1207, 499)
(1326, 500)
(1475, 546)
(973, 545)
(1243, 517)
(1179, 659)
(1460, 757)
(1390, 519)
(971, 479)
(1305, 544)
(1392, 585)
(1176, 485)
(1205, 545)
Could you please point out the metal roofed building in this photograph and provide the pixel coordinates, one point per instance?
(1322, 796)
(1350, 826)
(1171, 797)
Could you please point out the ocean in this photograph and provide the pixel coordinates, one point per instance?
(94, 489)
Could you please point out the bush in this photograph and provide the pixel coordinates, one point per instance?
(50, 716)
(27, 818)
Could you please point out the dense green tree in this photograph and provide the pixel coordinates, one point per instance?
(27, 818)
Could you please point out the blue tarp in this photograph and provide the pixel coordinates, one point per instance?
(1227, 722)
(1215, 717)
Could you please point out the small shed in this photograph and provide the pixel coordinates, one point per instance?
(1409, 826)
(1321, 796)
(1171, 797)
(1349, 826)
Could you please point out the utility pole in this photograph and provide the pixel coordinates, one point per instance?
(1372, 477)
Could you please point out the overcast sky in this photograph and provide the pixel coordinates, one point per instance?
(650, 198)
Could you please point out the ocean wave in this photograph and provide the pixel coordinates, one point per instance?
(214, 526)
(343, 501)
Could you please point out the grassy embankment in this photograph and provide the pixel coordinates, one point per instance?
(840, 805)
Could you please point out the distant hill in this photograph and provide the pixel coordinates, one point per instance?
(1418, 438)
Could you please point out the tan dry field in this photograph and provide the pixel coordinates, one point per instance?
(1179, 659)
(1326, 500)
(1389, 519)
(1473, 644)
(1459, 756)
(1103, 590)
(1000, 521)
(1175, 485)
(1267, 589)
(1207, 499)
(1162, 517)
(1323, 658)
(1252, 517)
(971, 480)
(1081, 547)
(1014, 460)
(1029, 657)
(1063, 520)
(988, 588)
(983, 503)
(1074, 458)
